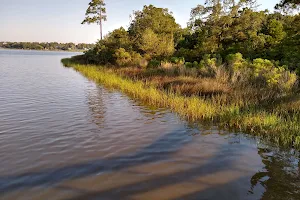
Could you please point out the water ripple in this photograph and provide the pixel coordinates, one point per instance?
(64, 137)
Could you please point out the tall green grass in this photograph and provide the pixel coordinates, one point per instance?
(270, 124)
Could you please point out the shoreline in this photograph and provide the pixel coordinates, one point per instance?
(1, 48)
(271, 126)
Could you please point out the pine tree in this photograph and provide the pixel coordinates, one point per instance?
(96, 13)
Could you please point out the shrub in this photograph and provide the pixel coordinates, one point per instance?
(288, 80)
(123, 58)
(188, 54)
(189, 64)
(181, 61)
(154, 63)
(174, 60)
(100, 54)
(156, 45)
(178, 61)
(266, 73)
(235, 61)
(196, 64)
(238, 68)
(136, 59)
(208, 66)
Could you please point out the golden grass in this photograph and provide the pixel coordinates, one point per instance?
(272, 124)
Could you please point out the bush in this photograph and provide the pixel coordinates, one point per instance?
(208, 66)
(265, 72)
(154, 63)
(238, 67)
(196, 64)
(178, 61)
(100, 54)
(123, 58)
(235, 61)
(288, 80)
(136, 59)
(189, 65)
(181, 61)
(188, 54)
(260, 73)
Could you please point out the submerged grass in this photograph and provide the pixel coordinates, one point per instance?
(273, 123)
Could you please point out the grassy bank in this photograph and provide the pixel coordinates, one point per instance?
(198, 99)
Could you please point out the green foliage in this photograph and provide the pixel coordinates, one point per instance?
(261, 72)
(151, 34)
(290, 47)
(229, 27)
(149, 43)
(207, 61)
(286, 4)
(188, 54)
(123, 58)
(238, 67)
(100, 54)
(137, 59)
(218, 30)
(119, 38)
(95, 13)
(96, 7)
(188, 64)
(153, 30)
(177, 61)
(261, 50)
(273, 76)
(236, 61)
(156, 45)
(154, 63)
(196, 64)
(275, 32)
(159, 20)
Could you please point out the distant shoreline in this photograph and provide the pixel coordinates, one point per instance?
(79, 51)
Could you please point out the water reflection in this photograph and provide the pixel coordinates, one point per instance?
(78, 140)
(96, 106)
(280, 176)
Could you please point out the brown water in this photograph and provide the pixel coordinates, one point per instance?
(63, 137)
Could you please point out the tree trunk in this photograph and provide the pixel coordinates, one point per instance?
(100, 16)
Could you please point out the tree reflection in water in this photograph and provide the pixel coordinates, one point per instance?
(97, 106)
(281, 175)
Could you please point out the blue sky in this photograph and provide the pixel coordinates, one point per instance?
(60, 20)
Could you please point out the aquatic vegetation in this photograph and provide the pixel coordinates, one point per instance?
(275, 121)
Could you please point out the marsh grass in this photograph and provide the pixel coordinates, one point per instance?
(207, 100)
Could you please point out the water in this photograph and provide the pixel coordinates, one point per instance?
(64, 137)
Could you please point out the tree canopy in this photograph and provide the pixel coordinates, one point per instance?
(216, 29)
(288, 4)
(96, 13)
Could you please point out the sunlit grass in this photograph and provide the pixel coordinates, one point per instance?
(273, 124)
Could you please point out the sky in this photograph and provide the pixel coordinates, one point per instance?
(60, 20)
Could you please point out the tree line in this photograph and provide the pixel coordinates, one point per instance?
(216, 29)
(46, 46)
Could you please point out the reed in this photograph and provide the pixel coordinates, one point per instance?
(272, 122)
